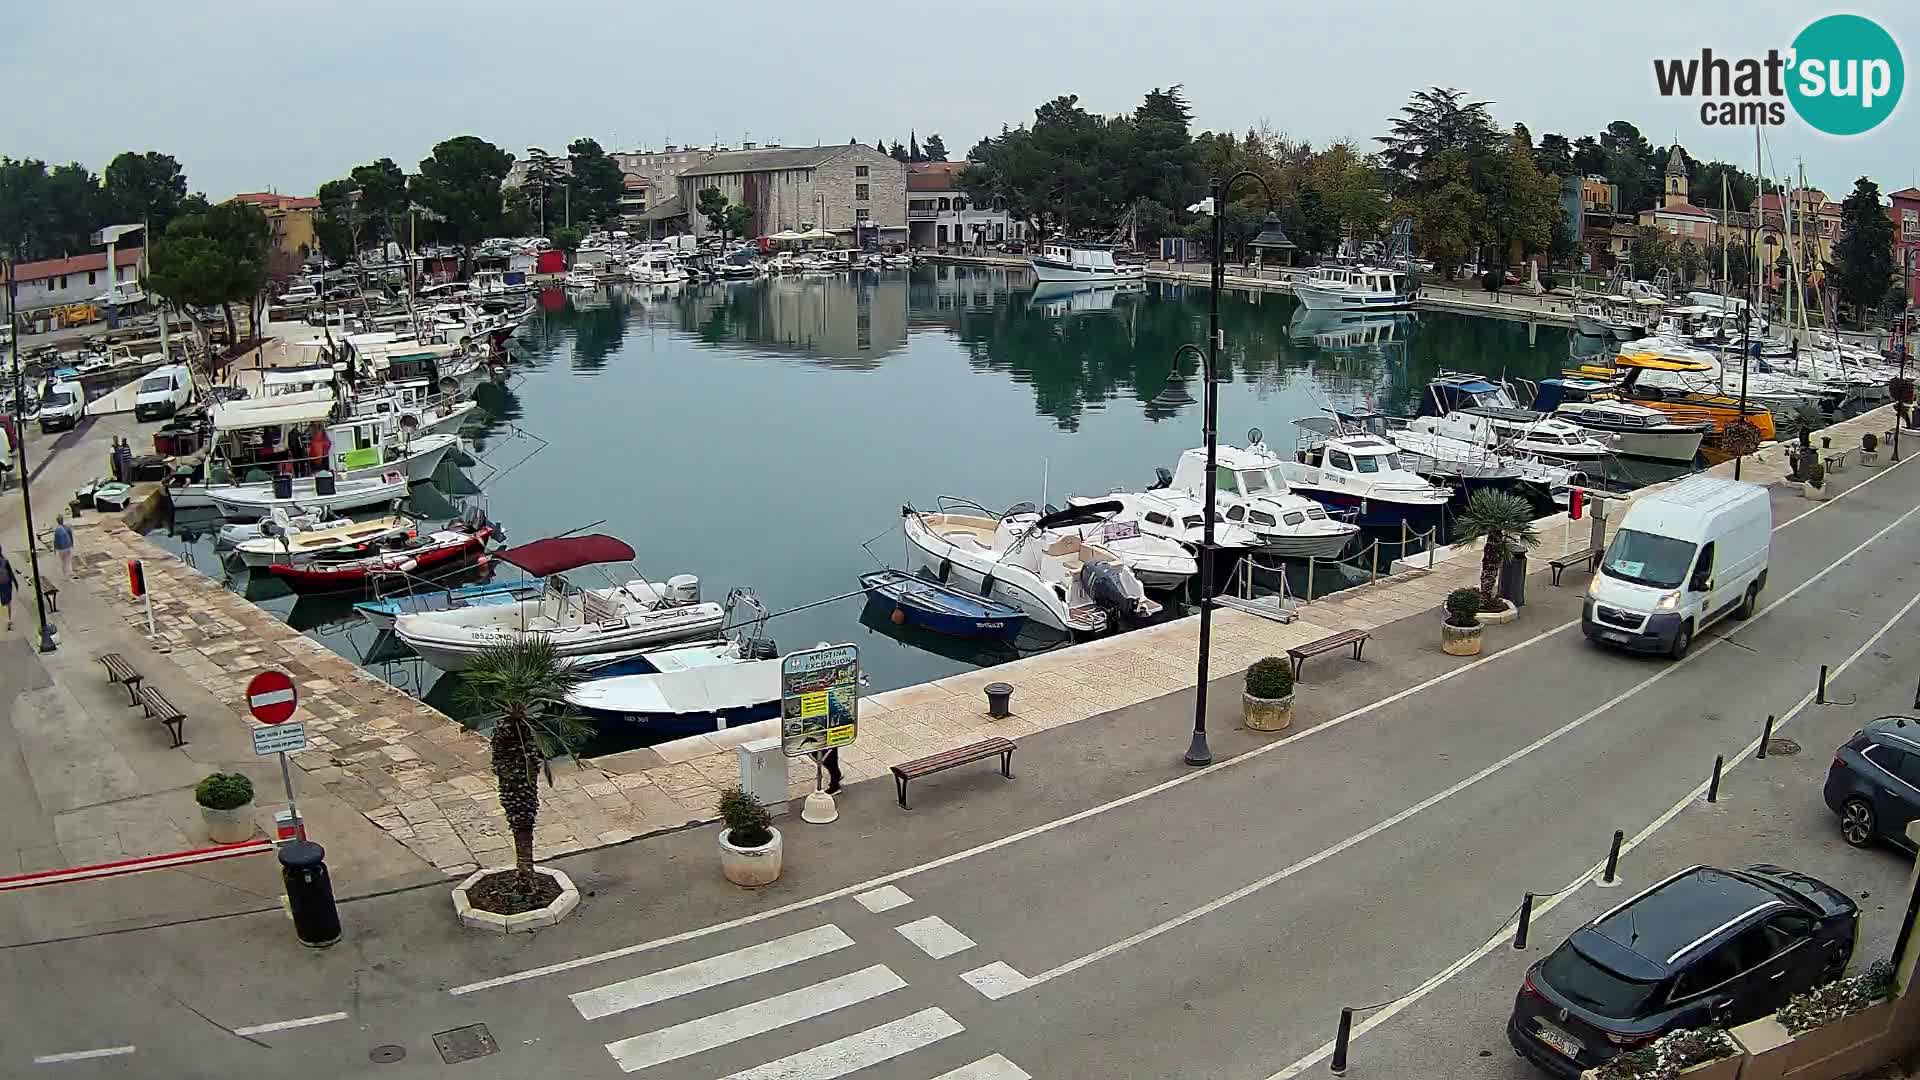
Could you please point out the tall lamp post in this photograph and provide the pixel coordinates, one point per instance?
(1197, 752)
(20, 452)
(1902, 346)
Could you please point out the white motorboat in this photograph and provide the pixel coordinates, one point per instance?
(581, 278)
(1360, 476)
(1637, 431)
(278, 523)
(1160, 562)
(1252, 493)
(1067, 262)
(242, 502)
(1473, 410)
(685, 690)
(1176, 515)
(298, 547)
(1058, 579)
(1461, 463)
(580, 622)
(1354, 288)
(656, 268)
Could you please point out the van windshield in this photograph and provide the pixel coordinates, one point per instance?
(1646, 559)
(157, 382)
(57, 399)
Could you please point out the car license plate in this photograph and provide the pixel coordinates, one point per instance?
(1559, 1040)
(1614, 636)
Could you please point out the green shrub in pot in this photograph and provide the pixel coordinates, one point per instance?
(1462, 606)
(224, 791)
(749, 825)
(1270, 678)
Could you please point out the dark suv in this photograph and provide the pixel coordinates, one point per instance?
(1874, 784)
(1704, 947)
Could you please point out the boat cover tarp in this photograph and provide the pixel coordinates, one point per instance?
(250, 413)
(559, 554)
(1079, 514)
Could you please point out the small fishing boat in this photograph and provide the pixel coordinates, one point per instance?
(1085, 264)
(1353, 288)
(923, 602)
(337, 540)
(691, 690)
(381, 613)
(420, 555)
(1251, 490)
(1361, 475)
(238, 502)
(278, 523)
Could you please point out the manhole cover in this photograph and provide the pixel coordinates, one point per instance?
(1783, 747)
(464, 1043)
(385, 1055)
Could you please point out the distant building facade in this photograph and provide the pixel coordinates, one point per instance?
(1906, 239)
(853, 191)
(51, 284)
(290, 217)
(940, 215)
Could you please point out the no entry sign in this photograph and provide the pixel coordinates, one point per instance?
(271, 697)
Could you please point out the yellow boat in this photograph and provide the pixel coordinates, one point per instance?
(1720, 410)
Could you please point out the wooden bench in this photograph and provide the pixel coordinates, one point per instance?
(1836, 461)
(1299, 653)
(121, 673)
(941, 762)
(159, 708)
(1590, 556)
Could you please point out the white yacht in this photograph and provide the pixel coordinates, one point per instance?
(1251, 492)
(1354, 288)
(1473, 410)
(656, 268)
(1637, 431)
(1176, 515)
(1358, 475)
(1066, 262)
(1160, 562)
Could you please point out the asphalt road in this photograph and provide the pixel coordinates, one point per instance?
(1208, 925)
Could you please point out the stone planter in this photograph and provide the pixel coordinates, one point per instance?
(1814, 493)
(1460, 640)
(1847, 1047)
(1727, 1068)
(228, 826)
(1266, 714)
(469, 915)
(750, 867)
(1869, 459)
(1505, 615)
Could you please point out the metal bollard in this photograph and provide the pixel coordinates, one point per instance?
(1526, 916)
(1820, 694)
(1613, 858)
(1339, 1063)
(1766, 736)
(303, 869)
(1713, 786)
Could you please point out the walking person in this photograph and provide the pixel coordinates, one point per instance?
(6, 588)
(831, 760)
(63, 543)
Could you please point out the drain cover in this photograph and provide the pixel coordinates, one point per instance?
(385, 1055)
(465, 1043)
(1782, 747)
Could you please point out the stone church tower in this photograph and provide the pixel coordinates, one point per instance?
(1676, 177)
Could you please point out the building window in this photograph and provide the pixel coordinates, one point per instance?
(92, 278)
(860, 192)
(946, 204)
(859, 170)
(861, 214)
(959, 204)
(63, 281)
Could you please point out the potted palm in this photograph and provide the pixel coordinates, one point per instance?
(1460, 633)
(226, 805)
(1814, 479)
(1267, 704)
(520, 686)
(749, 845)
(1505, 522)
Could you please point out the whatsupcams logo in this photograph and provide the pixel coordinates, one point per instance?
(1842, 75)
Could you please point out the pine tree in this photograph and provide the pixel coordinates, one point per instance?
(1863, 259)
(913, 146)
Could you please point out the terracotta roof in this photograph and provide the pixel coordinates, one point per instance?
(74, 264)
(1683, 210)
(275, 201)
(1906, 193)
(935, 175)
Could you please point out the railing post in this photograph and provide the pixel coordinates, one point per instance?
(1376, 563)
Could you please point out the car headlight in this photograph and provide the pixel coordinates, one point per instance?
(1669, 600)
(1593, 587)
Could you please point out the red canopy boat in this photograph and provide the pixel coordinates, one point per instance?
(418, 556)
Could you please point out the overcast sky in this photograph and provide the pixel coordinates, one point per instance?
(252, 95)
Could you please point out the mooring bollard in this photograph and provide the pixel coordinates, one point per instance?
(1766, 736)
(1613, 858)
(1526, 915)
(1820, 695)
(1713, 786)
(999, 700)
(1339, 1063)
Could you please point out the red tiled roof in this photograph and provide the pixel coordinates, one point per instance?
(935, 175)
(1906, 193)
(74, 264)
(1682, 210)
(276, 201)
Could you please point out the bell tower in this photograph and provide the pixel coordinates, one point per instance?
(1676, 177)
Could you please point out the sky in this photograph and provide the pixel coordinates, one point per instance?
(252, 96)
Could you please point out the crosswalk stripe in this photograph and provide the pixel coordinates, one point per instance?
(859, 1050)
(935, 936)
(992, 1067)
(713, 971)
(757, 1018)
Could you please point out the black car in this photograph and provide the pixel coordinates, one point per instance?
(1874, 784)
(1703, 947)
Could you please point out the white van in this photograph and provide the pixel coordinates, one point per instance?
(163, 392)
(62, 406)
(1684, 558)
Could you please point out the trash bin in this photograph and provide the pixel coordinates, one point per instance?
(1513, 579)
(303, 868)
(283, 486)
(323, 483)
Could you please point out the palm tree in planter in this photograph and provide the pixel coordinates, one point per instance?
(521, 686)
(1505, 522)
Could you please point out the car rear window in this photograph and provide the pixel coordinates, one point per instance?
(1591, 986)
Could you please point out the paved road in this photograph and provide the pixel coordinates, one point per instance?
(1210, 924)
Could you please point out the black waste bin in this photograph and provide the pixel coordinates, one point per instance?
(1513, 579)
(323, 483)
(283, 486)
(303, 868)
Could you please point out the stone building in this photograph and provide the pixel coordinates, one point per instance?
(853, 191)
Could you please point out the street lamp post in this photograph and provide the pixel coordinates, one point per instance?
(20, 433)
(1905, 332)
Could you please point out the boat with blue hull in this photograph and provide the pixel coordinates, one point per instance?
(942, 609)
(381, 613)
(683, 690)
(1360, 476)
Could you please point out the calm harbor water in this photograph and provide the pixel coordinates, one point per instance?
(758, 434)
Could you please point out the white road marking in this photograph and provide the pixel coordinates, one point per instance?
(713, 971)
(757, 1018)
(1500, 940)
(992, 1067)
(884, 898)
(285, 1025)
(935, 936)
(1075, 818)
(996, 980)
(859, 1050)
(82, 1055)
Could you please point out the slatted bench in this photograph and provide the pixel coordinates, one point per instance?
(1299, 653)
(159, 708)
(1836, 461)
(1588, 555)
(985, 748)
(121, 673)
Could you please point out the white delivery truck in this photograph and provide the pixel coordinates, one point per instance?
(62, 406)
(1684, 558)
(164, 391)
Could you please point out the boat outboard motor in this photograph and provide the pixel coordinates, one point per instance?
(1113, 588)
(1162, 478)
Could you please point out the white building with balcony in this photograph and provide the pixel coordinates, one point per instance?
(942, 217)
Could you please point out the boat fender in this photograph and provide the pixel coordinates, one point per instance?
(899, 617)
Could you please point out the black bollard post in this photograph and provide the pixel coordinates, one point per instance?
(303, 868)
(1526, 916)
(1339, 1062)
(1613, 858)
(1916, 697)
(1713, 786)
(1766, 736)
(1820, 695)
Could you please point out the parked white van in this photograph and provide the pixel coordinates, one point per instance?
(163, 392)
(62, 406)
(1684, 558)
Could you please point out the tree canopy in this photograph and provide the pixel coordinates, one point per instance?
(215, 258)
(1862, 266)
(460, 185)
(598, 183)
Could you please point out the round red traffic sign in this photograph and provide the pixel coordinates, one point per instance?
(271, 697)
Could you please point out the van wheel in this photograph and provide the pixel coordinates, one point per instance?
(1682, 641)
(1749, 603)
(1857, 826)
